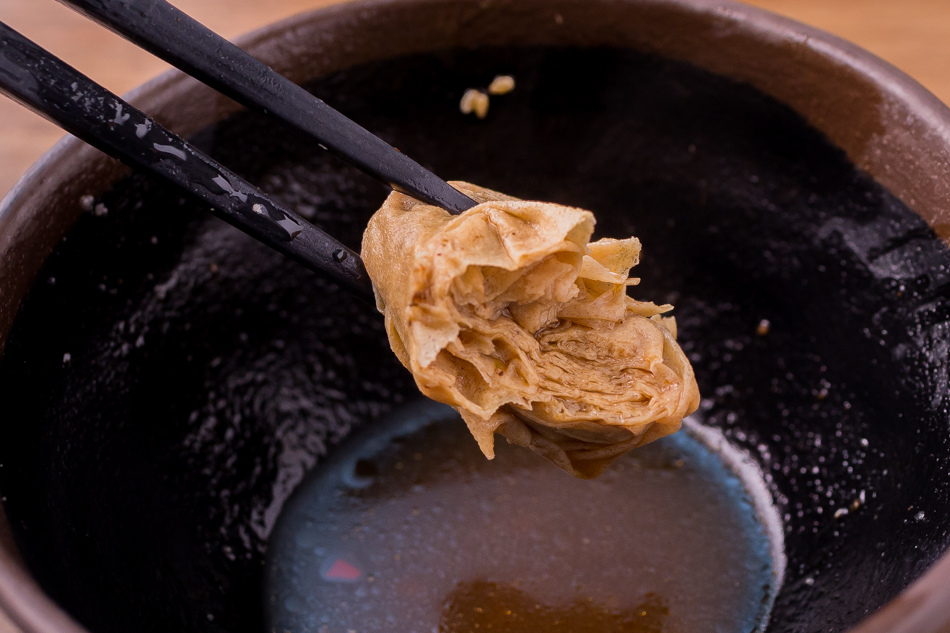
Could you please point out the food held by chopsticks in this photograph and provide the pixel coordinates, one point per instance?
(508, 313)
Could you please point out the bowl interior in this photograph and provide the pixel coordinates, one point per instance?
(168, 381)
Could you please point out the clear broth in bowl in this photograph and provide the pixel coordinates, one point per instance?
(410, 528)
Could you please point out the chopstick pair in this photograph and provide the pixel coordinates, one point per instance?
(47, 85)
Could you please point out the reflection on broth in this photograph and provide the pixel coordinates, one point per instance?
(409, 528)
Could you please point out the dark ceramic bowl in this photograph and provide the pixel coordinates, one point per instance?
(166, 381)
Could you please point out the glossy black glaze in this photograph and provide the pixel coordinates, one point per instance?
(206, 374)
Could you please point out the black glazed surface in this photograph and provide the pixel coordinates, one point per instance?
(205, 374)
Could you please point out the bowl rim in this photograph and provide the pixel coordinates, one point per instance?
(922, 607)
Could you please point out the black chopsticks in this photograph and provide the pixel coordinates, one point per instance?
(55, 90)
(50, 87)
(166, 32)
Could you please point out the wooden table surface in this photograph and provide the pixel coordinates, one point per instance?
(914, 35)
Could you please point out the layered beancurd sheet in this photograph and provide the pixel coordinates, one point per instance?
(511, 315)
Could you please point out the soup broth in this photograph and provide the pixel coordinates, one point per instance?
(410, 528)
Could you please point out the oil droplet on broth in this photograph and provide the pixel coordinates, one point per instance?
(494, 606)
(409, 528)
